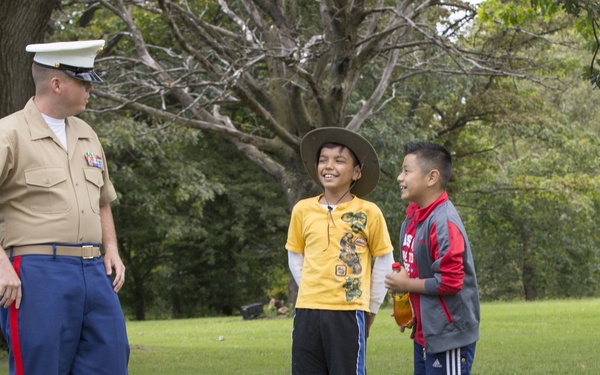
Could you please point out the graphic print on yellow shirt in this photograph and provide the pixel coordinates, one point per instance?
(348, 252)
(337, 248)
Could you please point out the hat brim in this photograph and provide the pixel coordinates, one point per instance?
(89, 76)
(364, 151)
(82, 74)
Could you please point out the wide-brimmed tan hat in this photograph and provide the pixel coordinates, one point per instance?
(367, 157)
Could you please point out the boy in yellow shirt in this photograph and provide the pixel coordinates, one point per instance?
(339, 252)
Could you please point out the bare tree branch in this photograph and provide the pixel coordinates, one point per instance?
(262, 73)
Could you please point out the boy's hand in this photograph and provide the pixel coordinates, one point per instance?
(369, 318)
(409, 325)
(397, 282)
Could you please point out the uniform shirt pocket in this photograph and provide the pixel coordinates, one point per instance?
(95, 181)
(47, 190)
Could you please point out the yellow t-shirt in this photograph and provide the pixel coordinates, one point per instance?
(338, 250)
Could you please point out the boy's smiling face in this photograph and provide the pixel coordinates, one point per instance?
(414, 184)
(336, 169)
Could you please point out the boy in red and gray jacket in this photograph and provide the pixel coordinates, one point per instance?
(438, 267)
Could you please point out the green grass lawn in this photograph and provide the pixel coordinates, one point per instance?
(549, 337)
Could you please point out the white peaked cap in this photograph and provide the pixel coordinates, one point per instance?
(80, 54)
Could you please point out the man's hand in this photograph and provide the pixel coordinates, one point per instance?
(10, 284)
(112, 261)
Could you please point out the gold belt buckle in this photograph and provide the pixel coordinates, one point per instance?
(87, 252)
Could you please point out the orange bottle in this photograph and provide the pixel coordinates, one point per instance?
(402, 310)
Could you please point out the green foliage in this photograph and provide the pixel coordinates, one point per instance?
(193, 245)
(525, 174)
(528, 216)
(585, 15)
(162, 193)
(518, 13)
(245, 230)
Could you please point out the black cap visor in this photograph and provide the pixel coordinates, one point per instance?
(82, 74)
(89, 76)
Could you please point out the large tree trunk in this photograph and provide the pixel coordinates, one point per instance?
(21, 23)
(529, 276)
(139, 307)
(529, 282)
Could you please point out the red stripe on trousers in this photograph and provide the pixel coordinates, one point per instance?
(14, 326)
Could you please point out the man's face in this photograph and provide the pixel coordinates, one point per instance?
(74, 95)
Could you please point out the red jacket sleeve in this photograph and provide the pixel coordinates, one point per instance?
(448, 260)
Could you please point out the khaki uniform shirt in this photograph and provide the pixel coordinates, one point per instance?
(49, 194)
